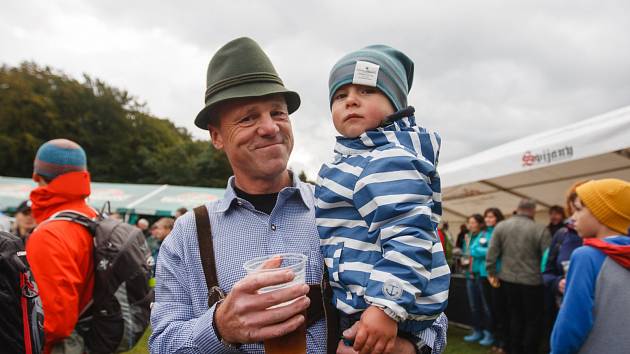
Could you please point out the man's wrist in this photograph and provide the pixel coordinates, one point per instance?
(224, 342)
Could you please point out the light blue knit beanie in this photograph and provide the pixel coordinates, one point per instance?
(393, 69)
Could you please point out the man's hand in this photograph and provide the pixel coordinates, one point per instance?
(494, 281)
(401, 346)
(562, 285)
(244, 317)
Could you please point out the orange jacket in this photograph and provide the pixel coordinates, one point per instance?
(60, 254)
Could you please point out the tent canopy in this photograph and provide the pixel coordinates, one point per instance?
(145, 199)
(541, 166)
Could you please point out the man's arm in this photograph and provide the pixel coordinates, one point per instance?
(494, 251)
(545, 240)
(241, 318)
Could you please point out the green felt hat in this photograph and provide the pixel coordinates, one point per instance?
(241, 69)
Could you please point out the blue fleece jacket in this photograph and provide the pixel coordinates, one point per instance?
(478, 251)
(576, 318)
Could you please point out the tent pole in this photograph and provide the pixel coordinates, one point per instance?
(454, 212)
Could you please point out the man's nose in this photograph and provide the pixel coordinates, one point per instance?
(267, 125)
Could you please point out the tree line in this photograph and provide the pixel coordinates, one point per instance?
(123, 141)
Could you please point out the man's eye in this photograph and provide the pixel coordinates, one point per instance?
(279, 114)
(339, 96)
(247, 120)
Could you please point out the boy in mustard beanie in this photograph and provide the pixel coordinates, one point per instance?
(596, 306)
(378, 205)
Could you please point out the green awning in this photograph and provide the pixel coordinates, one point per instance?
(145, 199)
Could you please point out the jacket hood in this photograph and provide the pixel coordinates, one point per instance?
(400, 129)
(67, 191)
(615, 247)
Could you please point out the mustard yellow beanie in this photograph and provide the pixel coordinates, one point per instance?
(609, 201)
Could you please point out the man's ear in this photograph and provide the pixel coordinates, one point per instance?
(215, 137)
(39, 180)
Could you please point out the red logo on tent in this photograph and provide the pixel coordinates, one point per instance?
(528, 159)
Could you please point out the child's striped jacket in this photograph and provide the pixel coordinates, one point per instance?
(377, 207)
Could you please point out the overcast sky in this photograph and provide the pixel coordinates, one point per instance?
(486, 72)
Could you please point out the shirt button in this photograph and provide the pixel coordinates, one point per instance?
(273, 227)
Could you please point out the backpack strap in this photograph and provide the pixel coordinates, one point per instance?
(75, 217)
(206, 251)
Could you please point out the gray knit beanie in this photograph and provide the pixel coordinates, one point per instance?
(379, 66)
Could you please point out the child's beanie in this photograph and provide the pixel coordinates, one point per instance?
(379, 66)
(607, 199)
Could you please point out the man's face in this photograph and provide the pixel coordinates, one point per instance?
(555, 218)
(255, 134)
(25, 219)
(358, 108)
(142, 224)
(159, 231)
(585, 222)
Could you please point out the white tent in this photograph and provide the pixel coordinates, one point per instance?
(541, 166)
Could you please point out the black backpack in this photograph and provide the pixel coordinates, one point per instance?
(120, 309)
(22, 324)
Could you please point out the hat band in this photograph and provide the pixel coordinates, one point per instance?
(242, 79)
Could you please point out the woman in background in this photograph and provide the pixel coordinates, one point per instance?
(475, 241)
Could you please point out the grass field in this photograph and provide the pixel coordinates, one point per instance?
(455, 343)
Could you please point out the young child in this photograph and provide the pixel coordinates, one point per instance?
(595, 309)
(378, 204)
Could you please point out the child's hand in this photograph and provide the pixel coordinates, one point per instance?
(376, 333)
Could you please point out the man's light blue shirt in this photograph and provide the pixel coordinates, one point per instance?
(180, 317)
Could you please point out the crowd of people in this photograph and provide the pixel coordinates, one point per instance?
(377, 277)
(520, 287)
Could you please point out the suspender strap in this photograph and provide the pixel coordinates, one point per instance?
(320, 294)
(206, 251)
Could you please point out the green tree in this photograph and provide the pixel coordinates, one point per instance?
(123, 141)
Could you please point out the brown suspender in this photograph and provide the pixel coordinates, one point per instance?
(320, 295)
(206, 251)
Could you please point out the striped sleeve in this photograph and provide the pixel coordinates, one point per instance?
(395, 198)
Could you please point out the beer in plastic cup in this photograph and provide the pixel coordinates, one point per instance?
(294, 342)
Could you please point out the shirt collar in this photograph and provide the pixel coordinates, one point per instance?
(304, 191)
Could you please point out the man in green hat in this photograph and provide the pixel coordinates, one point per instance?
(266, 210)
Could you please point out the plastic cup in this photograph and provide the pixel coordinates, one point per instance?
(294, 342)
(295, 262)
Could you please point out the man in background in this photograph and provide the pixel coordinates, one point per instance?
(556, 219)
(143, 224)
(159, 230)
(60, 251)
(24, 221)
(520, 243)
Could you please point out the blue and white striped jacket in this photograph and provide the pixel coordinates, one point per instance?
(377, 208)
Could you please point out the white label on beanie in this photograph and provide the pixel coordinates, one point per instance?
(365, 73)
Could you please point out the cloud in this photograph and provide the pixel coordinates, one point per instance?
(486, 72)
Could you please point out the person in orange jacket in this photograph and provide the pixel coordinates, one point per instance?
(60, 252)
